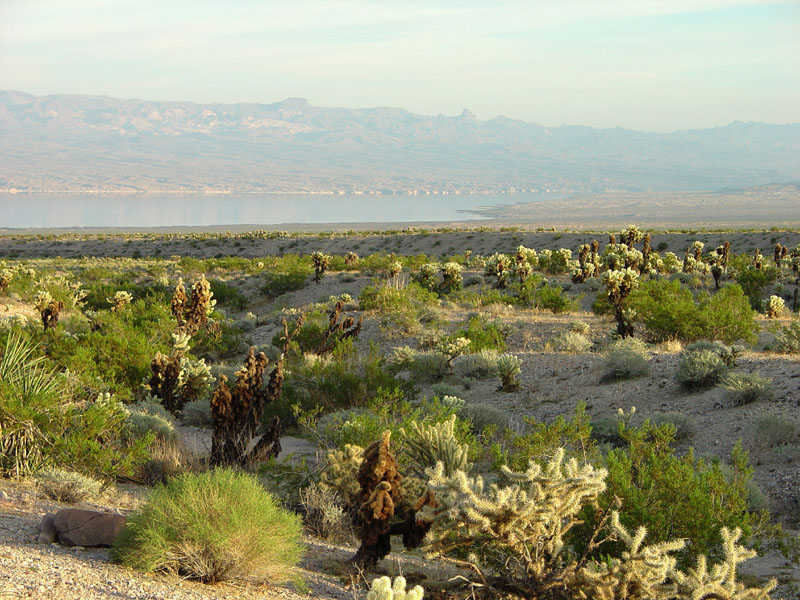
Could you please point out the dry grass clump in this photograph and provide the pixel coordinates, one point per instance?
(744, 388)
(572, 342)
(67, 486)
(325, 515)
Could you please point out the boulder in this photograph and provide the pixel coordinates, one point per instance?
(79, 527)
(47, 530)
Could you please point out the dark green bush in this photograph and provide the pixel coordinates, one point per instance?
(753, 281)
(227, 295)
(213, 526)
(675, 496)
(552, 298)
(669, 311)
(484, 333)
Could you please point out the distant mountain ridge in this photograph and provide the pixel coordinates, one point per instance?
(82, 143)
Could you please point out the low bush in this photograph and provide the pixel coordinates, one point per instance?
(684, 425)
(67, 486)
(214, 526)
(627, 358)
(485, 416)
(774, 429)
(140, 423)
(484, 333)
(572, 342)
(699, 369)
(744, 388)
(481, 365)
(324, 514)
(227, 294)
(552, 298)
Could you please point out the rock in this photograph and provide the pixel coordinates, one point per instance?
(47, 530)
(3, 496)
(78, 527)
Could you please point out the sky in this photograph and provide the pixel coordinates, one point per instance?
(657, 65)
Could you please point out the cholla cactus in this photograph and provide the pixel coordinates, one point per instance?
(49, 308)
(776, 307)
(436, 443)
(498, 266)
(453, 403)
(383, 588)
(6, 275)
(351, 259)
(451, 276)
(631, 235)
(508, 367)
(320, 262)
(341, 472)
(453, 347)
(758, 260)
(619, 284)
(120, 300)
(395, 268)
(524, 516)
(427, 275)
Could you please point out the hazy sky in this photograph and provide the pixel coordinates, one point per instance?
(653, 65)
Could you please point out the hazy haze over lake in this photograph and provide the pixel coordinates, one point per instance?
(160, 210)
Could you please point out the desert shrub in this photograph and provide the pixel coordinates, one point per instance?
(728, 354)
(572, 343)
(44, 422)
(744, 388)
(685, 426)
(400, 306)
(485, 416)
(753, 281)
(116, 352)
(324, 513)
(425, 365)
(443, 389)
(606, 430)
(197, 413)
(627, 358)
(699, 369)
(168, 459)
(552, 298)
(67, 486)
(140, 423)
(774, 429)
(484, 333)
(669, 310)
(286, 274)
(788, 339)
(674, 495)
(214, 526)
(481, 365)
(342, 379)
(228, 295)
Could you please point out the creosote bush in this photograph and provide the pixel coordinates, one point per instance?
(215, 526)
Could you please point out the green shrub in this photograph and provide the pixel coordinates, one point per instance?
(744, 388)
(324, 513)
(572, 342)
(552, 298)
(67, 486)
(753, 281)
(728, 354)
(425, 365)
(484, 333)
(214, 526)
(228, 295)
(42, 423)
(699, 369)
(669, 311)
(627, 358)
(674, 495)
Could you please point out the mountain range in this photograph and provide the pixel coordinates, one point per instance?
(89, 143)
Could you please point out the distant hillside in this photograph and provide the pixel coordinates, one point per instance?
(67, 142)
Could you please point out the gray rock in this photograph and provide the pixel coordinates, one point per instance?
(3, 496)
(78, 527)
(47, 529)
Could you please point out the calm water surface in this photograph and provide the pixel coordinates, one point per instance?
(160, 210)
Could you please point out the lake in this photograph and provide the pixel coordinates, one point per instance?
(48, 210)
